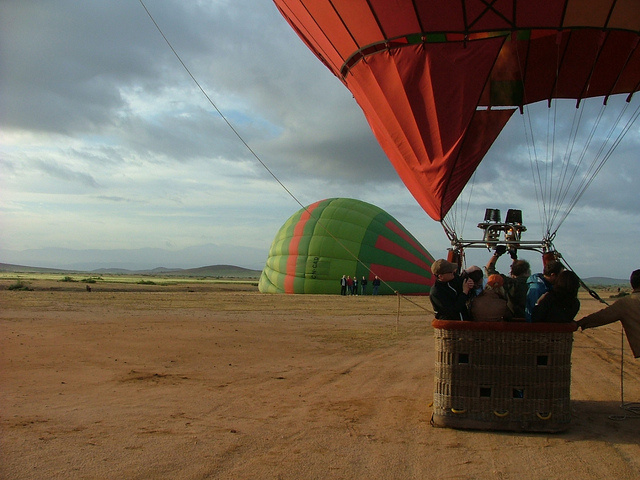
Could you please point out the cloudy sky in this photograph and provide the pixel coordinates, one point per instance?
(108, 146)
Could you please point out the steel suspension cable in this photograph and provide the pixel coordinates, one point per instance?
(588, 180)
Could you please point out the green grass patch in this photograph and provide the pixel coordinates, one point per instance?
(20, 285)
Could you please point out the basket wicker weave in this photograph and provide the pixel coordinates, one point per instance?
(502, 375)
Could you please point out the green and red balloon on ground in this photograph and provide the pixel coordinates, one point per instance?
(339, 236)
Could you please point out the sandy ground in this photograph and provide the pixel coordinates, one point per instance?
(191, 382)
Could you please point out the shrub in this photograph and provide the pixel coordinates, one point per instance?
(20, 285)
(619, 295)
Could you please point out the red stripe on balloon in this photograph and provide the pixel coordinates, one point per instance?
(391, 274)
(294, 245)
(397, 230)
(386, 245)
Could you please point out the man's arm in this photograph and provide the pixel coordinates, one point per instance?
(611, 314)
(490, 268)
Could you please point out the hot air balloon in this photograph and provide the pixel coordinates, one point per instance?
(437, 81)
(339, 236)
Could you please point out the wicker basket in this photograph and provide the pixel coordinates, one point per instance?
(502, 375)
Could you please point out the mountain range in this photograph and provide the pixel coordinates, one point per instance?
(140, 259)
(226, 271)
(223, 271)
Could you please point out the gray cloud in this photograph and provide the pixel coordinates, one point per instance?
(93, 99)
(61, 172)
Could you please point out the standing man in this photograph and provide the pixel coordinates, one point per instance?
(450, 293)
(626, 310)
(376, 285)
(343, 285)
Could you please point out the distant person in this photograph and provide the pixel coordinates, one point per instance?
(363, 285)
(626, 310)
(376, 285)
(450, 293)
(349, 284)
(354, 286)
(491, 304)
(515, 284)
(343, 285)
(560, 304)
(541, 283)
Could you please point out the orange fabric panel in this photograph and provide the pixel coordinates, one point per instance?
(419, 69)
(360, 20)
(587, 13)
(420, 102)
(484, 128)
(626, 15)
(396, 18)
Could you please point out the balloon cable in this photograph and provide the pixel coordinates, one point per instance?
(212, 103)
(596, 168)
(256, 156)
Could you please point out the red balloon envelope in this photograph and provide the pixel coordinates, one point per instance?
(438, 80)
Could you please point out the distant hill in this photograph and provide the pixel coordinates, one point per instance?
(85, 260)
(605, 281)
(6, 267)
(226, 271)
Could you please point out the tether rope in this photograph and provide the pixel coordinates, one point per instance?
(632, 409)
(262, 163)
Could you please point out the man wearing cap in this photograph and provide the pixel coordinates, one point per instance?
(450, 293)
(491, 304)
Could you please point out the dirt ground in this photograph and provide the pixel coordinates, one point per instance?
(211, 381)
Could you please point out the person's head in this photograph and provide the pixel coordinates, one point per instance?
(551, 270)
(634, 280)
(444, 271)
(567, 284)
(520, 268)
(495, 282)
(475, 273)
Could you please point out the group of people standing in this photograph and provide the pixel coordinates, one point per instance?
(349, 286)
(549, 296)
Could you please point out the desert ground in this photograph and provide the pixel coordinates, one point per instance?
(214, 380)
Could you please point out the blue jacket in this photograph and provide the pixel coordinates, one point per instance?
(537, 286)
